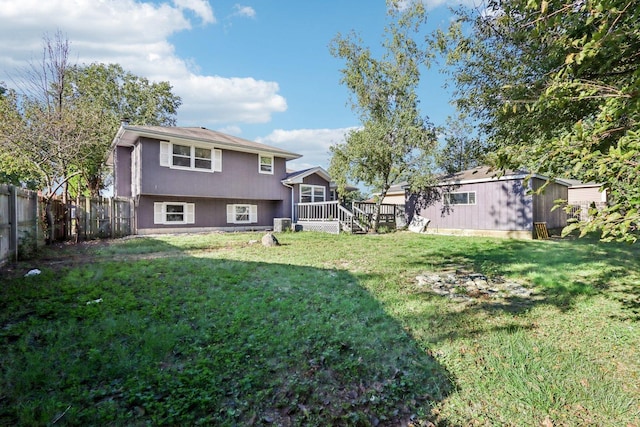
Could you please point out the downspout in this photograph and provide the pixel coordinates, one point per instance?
(292, 200)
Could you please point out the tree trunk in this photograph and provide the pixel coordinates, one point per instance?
(375, 222)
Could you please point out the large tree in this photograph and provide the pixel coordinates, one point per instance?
(395, 142)
(463, 148)
(58, 130)
(44, 132)
(556, 88)
(116, 94)
(13, 169)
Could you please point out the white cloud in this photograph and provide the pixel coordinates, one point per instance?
(202, 8)
(313, 143)
(135, 34)
(246, 11)
(253, 100)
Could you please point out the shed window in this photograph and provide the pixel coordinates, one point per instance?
(460, 198)
(312, 193)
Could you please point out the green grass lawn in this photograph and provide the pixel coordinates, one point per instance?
(209, 329)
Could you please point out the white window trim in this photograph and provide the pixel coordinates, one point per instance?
(447, 199)
(232, 213)
(260, 157)
(160, 213)
(313, 193)
(166, 157)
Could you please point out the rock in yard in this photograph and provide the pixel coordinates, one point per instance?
(269, 240)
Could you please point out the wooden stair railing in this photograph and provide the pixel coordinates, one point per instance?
(361, 219)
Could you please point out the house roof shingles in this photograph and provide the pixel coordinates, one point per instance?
(128, 134)
(487, 173)
(296, 177)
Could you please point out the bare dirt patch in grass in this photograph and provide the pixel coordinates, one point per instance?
(466, 286)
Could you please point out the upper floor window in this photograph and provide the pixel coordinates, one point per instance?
(461, 198)
(312, 193)
(202, 158)
(265, 164)
(182, 156)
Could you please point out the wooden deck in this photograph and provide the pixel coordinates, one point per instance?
(333, 217)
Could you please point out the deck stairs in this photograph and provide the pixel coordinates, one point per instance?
(334, 217)
(354, 222)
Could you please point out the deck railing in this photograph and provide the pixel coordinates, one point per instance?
(358, 219)
(388, 216)
(580, 210)
(319, 211)
(329, 211)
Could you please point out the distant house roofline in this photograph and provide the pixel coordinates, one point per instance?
(298, 177)
(488, 174)
(575, 183)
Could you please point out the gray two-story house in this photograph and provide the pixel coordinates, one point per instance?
(196, 179)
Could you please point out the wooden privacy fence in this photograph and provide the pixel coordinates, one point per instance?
(20, 232)
(91, 218)
(22, 220)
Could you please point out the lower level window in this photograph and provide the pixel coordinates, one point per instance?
(242, 214)
(173, 213)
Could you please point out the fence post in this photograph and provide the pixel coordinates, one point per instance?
(88, 232)
(112, 216)
(13, 221)
(32, 217)
(36, 218)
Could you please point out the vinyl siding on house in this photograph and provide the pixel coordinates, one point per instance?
(586, 194)
(394, 199)
(239, 178)
(199, 188)
(122, 172)
(208, 213)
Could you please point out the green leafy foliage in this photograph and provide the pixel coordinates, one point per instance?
(555, 87)
(395, 142)
(56, 135)
(117, 95)
(462, 149)
(13, 168)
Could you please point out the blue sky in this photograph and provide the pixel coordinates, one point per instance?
(258, 69)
